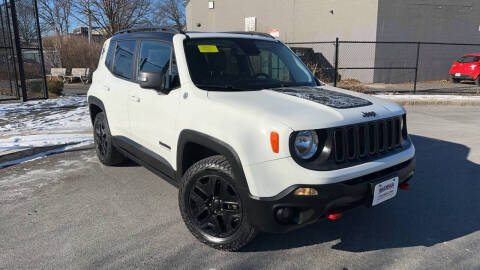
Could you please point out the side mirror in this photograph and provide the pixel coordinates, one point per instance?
(152, 80)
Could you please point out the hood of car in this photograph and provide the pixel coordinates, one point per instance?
(303, 108)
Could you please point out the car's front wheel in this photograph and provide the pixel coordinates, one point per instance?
(212, 207)
(477, 80)
(106, 152)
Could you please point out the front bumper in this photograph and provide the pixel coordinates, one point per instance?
(331, 198)
(462, 76)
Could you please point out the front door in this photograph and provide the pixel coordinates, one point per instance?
(153, 113)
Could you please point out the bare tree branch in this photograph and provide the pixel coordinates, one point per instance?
(171, 13)
(114, 15)
(26, 22)
(55, 15)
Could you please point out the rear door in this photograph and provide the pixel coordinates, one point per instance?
(153, 113)
(117, 87)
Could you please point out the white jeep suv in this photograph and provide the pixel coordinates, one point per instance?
(251, 138)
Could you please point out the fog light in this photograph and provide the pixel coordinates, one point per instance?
(285, 215)
(306, 192)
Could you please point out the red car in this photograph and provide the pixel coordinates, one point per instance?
(466, 68)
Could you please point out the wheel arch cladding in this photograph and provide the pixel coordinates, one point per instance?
(190, 140)
(95, 106)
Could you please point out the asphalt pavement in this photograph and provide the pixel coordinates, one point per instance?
(67, 211)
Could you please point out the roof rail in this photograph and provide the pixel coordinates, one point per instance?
(150, 29)
(251, 33)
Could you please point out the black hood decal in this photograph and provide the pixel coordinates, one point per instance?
(323, 96)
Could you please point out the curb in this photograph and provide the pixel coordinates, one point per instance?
(432, 100)
(31, 152)
(419, 102)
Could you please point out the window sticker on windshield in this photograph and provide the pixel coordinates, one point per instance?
(208, 48)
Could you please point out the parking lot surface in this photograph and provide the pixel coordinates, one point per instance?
(67, 211)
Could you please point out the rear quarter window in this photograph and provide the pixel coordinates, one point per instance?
(109, 57)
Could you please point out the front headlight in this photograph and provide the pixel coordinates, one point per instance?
(306, 144)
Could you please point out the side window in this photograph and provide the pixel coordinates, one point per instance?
(123, 59)
(109, 58)
(155, 56)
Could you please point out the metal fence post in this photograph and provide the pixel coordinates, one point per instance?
(416, 68)
(40, 46)
(18, 50)
(335, 77)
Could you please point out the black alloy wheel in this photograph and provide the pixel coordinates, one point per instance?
(100, 137)
(215, 206)
(106, 151)
(211, 202)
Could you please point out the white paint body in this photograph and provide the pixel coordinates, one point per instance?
(242, 120)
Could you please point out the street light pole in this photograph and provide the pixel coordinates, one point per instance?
(89, 22)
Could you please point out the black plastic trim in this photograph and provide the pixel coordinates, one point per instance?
(164, 145)
(214, 144)
(337, 197)
(97, 102)
(146, 158)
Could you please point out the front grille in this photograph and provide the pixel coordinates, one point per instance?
(360, 141)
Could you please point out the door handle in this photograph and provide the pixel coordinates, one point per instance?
(106, 88)
(135, 99)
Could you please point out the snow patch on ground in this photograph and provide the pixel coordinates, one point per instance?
(40, 140)
(427, 97)
(69, 113)
(42, 123)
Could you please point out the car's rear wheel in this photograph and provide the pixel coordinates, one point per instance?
(455, 80)
(477, 80)
(106, 152)
(212, 207)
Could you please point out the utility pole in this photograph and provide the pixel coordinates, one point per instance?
(89, 22)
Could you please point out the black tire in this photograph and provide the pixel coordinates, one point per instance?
(455, 80)
(106, 152)
(211, 205)
(477, 80)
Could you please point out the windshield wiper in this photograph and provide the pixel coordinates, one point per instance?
(224, 87)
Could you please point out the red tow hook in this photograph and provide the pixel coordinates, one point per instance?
(334, 216)
(405, 186)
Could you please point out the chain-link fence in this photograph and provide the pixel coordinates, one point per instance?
(399, 67)
(22, 72)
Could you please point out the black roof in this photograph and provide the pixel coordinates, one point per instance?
(166, 33)
(155, 35)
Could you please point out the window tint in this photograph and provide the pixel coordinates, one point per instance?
(109, 58)
(244, 64)
(270, 64)
(469, 59)
(122, 63)
(155, 56)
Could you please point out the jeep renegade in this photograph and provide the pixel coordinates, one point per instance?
(251, 138)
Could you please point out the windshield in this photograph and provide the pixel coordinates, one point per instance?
(468, 59)
(244, 64)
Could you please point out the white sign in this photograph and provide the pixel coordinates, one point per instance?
(385, 190)
(211, 5)
(275, 33)
(250, 24)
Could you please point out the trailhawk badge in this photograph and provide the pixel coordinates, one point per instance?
(369, 114)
